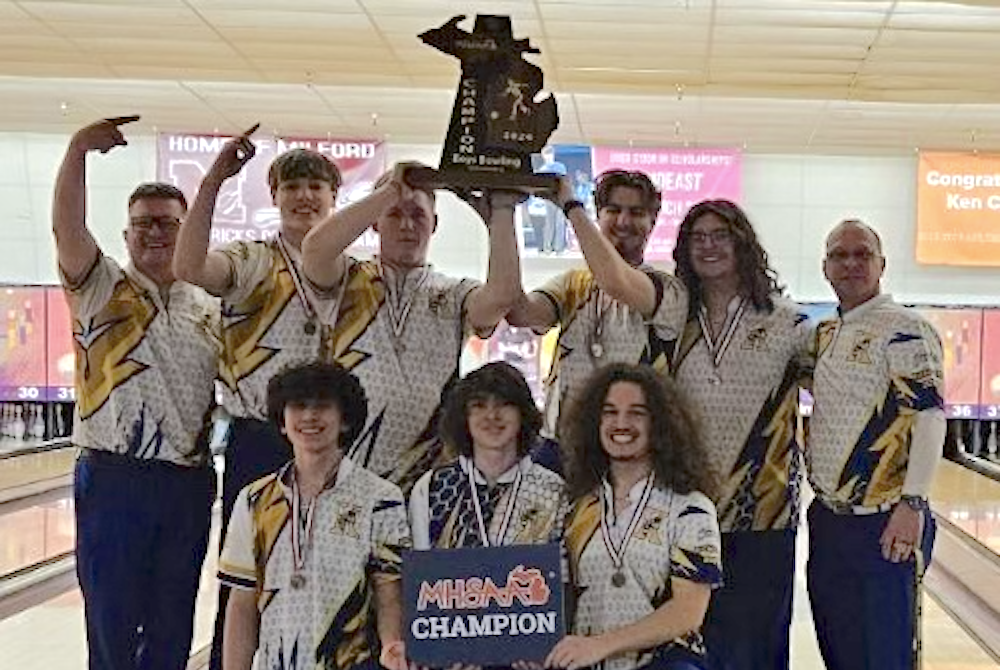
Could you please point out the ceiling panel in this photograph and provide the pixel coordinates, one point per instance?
(812, 75)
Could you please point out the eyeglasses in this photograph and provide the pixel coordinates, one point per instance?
(145, 224)
(841, 256)
(721, 236)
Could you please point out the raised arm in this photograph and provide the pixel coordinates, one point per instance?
(532, 310)
(489, 303)
(611, 272)
(75, 246)
(193, 262)
(323, 257)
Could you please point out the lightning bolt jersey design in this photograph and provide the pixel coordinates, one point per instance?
(144, 367)
(405, 354)
(878, 366)
(677, 536)
(265, 324)
(359, 533)
(595, 329)
(747, 408)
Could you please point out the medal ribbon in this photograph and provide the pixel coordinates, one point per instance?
(399, 306)
(300, 545)
(297, 281)
(718, 348)
(617, 554)
(508, 512)
(603, 303)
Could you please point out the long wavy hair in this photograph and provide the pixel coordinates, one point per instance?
(757, 277)
(679, 460)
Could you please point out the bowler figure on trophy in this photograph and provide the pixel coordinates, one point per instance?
(496, 123)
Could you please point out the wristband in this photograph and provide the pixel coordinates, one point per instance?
(916, 503)
(570, 206)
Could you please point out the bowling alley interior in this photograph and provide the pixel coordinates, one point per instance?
(804, 113)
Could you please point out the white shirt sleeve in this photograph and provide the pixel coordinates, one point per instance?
(249, 265)
(926, 446)
(237, 565)
(89, 296)
(420, 514)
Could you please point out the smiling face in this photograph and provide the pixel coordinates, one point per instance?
(303, 202)
(312, 426)
(626, 222)
(152, 233)
(494, 424)
(854, 264)
(626, 423)
(713, 249)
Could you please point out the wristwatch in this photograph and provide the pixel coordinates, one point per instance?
(916, 503)
(570, 206)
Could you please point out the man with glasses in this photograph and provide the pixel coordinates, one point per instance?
(740, 360)
(145, 362)
(619, 309)
(875, 437)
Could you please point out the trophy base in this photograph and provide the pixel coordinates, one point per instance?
(464, 180)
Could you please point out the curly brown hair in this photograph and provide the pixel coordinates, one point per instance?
(756, 275)
(679, 460)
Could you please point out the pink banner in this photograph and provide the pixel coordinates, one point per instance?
(685, 176)
(244, 210)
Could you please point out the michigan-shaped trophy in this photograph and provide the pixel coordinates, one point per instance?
(497, 123)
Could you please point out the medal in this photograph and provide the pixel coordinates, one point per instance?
(399, 300)
(300, 544)
(617, 553)
(717, 348)
(602, 303)
(310, 326)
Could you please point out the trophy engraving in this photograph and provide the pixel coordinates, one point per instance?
(496, 123)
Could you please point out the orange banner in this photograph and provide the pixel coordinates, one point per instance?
(958, 209)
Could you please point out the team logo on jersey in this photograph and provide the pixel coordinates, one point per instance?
(756, 340)
(649, 530)
(347, 522)
(437, 303)
(861, 349)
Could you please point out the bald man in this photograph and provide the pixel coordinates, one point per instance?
(875, 437)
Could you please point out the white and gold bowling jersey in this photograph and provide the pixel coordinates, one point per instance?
(877, 366)
(596, 329)
(268, 324)
(145, 365)
(325, 616)
(402, 335)
(676, 536)
(746, 397)
(526, 509)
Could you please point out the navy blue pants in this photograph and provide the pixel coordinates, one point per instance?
(255, 449)
(866, 609)
(748, 619)
(141, 537)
